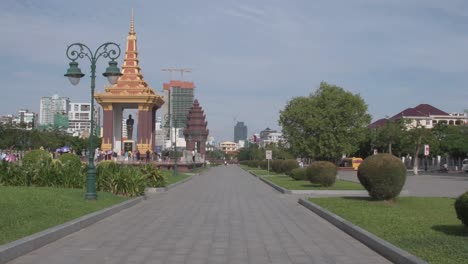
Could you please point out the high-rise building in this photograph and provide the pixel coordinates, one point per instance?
(50, 106)
(178, 97)
(240, 132)
(27, 118)
(79, 117)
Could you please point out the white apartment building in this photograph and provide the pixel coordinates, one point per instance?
(79, 117)
(228, 147)
(49, 106)
(25, 117)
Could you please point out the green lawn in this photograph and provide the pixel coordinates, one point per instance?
(291, 184)
(260, 172)
(28, 210)
(425, 227)
(173, 179)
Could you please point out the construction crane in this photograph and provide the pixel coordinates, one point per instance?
(181, 70)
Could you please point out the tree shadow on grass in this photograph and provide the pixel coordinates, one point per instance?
(359, 198)
(452, 230)
(311, 185)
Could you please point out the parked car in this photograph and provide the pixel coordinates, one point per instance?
(465, 165)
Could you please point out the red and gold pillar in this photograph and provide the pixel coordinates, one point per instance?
(145, 127)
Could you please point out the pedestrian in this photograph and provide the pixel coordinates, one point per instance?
(147, 155)
(138, 155)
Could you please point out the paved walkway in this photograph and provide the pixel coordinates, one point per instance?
(222, 216)
(426, 185)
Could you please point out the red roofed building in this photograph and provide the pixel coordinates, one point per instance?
(425, 115)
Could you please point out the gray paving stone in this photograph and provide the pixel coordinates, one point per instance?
(222, 216)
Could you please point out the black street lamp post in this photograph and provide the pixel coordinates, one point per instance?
(78, 51)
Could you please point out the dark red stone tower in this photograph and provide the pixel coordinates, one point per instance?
(196, 130)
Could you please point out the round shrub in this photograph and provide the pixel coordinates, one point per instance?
(37, 168)
(69, 159)
(322, 172)
(288, 165)
(299, 174)
(71, 171)
(36, 157)
(382, 175)
(461, 207)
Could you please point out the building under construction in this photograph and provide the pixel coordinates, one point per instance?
(178, 96)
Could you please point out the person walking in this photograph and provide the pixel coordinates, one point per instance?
(138, 156)
(147, 155)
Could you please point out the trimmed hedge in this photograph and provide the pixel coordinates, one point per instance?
(461, 207)
(288, 165)
(383, 176)
(299, 174)
(322, 172)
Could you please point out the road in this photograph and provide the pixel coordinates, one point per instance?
(426, 185)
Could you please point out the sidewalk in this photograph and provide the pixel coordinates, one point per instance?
(221, 216)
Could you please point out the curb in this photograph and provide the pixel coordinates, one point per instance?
(382, 247)
(276, 187)
(30, 243)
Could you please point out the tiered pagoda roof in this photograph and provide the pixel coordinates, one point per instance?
(130, 87)
(196, 124)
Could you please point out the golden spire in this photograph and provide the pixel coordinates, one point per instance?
(132, 27)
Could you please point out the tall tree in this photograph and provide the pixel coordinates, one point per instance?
(453, 140)
(416, 138)
(391, 135)
(327, 124)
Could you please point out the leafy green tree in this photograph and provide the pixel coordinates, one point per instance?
(366, 147)
(251, 152)
(327, 124)
(279, 151)
(453, 140)
(391, 135)
(416, 138)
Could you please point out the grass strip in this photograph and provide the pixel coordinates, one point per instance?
(425, 227)
(28, 210)
(291, 184)
(173, 179)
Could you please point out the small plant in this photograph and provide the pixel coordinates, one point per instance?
(322, 172)
(461, 207)
(299, 174)
(153, 176)
(383, 176)
(37, 168)
(71, 173)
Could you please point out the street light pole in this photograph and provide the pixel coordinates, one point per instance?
(78, 51)
(175, 151)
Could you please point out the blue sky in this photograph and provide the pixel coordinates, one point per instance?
(248, 57)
